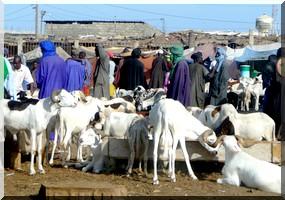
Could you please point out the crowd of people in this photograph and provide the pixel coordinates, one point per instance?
(183, 79)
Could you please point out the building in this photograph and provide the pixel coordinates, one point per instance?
(100, 29)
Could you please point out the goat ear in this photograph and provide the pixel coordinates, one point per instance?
(215, 111)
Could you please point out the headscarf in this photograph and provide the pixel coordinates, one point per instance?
(197, 57)
(176, 56)
(48, 48)
(136, 53)
(220, 58)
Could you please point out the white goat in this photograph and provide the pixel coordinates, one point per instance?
(170, 116)
(255, 126)
(35, 119)
(138, 143)
(241, 167)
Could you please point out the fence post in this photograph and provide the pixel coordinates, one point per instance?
(76, 44)
(20, 46)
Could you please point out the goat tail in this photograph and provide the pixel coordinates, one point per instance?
(138, 143)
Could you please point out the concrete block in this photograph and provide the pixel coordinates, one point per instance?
(81, 188)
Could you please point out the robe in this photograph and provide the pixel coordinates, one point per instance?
(158, 72)
(180, 84)
(218, 87)
(51, 75)
(101, 75)
(75, 73)
(132, 74)
(198, 73)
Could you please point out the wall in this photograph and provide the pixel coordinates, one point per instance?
(104, 30)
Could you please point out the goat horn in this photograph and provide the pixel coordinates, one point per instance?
(54, 95)
(82, 96)
(216, 110)
(218, 141)
(245, 142)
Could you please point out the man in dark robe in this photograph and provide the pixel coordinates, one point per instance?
(180, 82)
(51, 73)
(272, 104)
(159, 69)
(101, 74)
(219, 80)
(198, 73)
(132, 72)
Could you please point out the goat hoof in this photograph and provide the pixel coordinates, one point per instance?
(84, 169)
(194, 177)
(173, 180)
(32, 173)
(42, 171)
(19, 170)
(65, 166)
(50, 163)
(156, 182)
(96, 171)
(220, 181)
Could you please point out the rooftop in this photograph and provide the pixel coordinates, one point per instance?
(89, 21)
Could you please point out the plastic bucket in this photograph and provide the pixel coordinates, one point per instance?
(245, 71)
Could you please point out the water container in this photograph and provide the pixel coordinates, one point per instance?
(245, 71)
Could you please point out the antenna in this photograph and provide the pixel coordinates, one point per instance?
(274, 16)
(36, 7)
(163, 25)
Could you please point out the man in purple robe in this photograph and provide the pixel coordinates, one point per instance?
(180, 82)
(51, 73)
(75, 74)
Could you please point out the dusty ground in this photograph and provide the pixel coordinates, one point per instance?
(21, 184)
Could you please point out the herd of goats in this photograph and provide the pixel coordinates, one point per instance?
(168, 122)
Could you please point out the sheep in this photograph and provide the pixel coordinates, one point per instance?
(118, 105)
(252, 87)
(168, 116)
(34, 119)
(195, 111)
(138, 143)
(145, 101)
(242, 168)
(118, 123)
(236, 93)
(89, 137)
(255, 126)
(256, 91)
(69, 123)
(123, 92)
(71, 120)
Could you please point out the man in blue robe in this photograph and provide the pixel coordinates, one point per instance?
(75, 74)
(51, 73)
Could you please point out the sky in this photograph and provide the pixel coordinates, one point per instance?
(173, 17)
